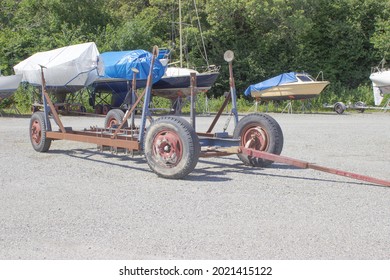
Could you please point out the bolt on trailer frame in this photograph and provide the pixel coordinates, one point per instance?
(170, 144)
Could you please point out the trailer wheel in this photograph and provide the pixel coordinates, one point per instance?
(360, 106)
(339, 107)
(38, 131)
(259, 132)
(171, 147)
(114, 117)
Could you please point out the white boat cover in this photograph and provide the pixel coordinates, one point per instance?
(71, 68)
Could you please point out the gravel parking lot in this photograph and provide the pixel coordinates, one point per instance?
(76, 203)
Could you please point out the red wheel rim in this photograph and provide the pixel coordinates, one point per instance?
(111, 122)
(167, 148)
(255, 138)
(36, 132)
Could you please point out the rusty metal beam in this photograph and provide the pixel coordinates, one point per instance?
(225, 103)
(99, 139)
(193, 85)
(147, 90)
(307, 165)
(50, 103)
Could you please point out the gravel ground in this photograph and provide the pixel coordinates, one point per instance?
(76, 203)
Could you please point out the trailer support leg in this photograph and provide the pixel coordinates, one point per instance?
(193, 97)
(47, 101)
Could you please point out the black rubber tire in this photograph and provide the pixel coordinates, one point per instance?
(37, 132)
(171, 147)
(339, 108)
(115, 117)
(360, 104)
(269, 137)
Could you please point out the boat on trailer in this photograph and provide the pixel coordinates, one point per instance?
(67, 69)
(287, 86)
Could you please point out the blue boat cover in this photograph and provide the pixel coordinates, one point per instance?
(272, 82)
(118, 64)
(163, 53)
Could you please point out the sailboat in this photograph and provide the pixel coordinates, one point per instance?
(119, 69)
(176, 80)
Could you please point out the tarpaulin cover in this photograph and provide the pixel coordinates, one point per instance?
(72, 66)
(119, 64)
(272, 82)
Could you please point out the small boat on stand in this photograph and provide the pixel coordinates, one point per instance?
(287, 86)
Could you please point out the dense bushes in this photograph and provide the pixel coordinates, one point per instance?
(342, 38)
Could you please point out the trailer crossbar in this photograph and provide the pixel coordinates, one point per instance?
(99, 139)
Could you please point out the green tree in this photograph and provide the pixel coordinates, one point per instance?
(381, 37)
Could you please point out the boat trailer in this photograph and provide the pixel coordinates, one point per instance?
(360, 107)
(170, 144)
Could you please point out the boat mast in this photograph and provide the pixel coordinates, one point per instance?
(201, 36)
(180, 36)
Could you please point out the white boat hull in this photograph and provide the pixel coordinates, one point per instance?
(380, 84)
(381, 79)
(9, 84)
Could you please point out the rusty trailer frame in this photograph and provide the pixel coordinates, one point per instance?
(170, 144)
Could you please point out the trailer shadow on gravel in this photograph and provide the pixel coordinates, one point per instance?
(208, 170)
(136, 163)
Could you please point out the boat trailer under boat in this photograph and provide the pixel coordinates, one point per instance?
(170, 144)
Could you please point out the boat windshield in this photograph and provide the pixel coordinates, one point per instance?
(305, 78)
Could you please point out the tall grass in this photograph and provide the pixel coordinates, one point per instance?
(25, 96)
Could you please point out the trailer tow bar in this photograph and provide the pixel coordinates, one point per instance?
(307, 165)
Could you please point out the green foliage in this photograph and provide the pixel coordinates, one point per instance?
(23, 98)
(381, 37)
(342, 38)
